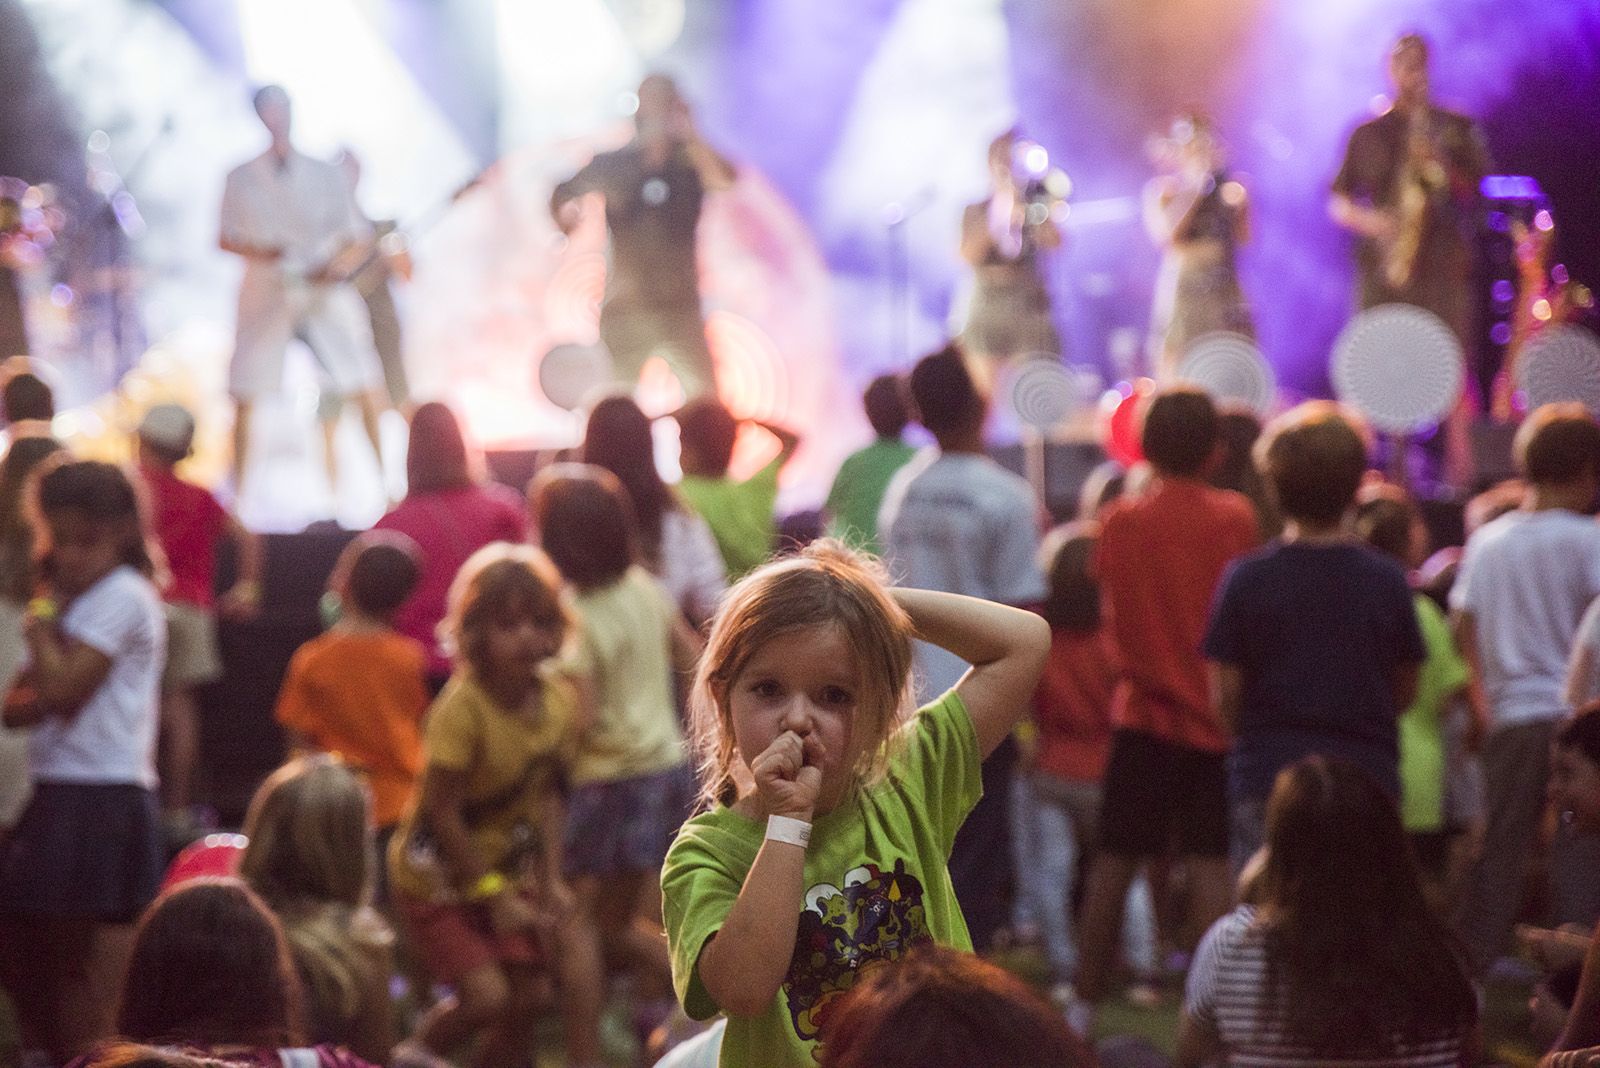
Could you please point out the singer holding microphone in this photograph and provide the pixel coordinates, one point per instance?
(1199, 215)
(653, 187)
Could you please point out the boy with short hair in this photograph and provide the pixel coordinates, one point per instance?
(956, 521)
(1314, 639)
(190, 525)
(739, 512)
(1525, 580)
(359, 690)
(1159, 558)
(857, 492)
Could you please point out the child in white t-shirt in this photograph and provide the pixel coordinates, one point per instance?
(1525, 581)
(85, 857)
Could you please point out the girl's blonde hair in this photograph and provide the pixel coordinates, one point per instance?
(497, 582)
(309, 857)
(825, 585)
(308, 832)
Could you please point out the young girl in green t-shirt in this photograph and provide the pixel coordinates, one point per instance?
(823, 851)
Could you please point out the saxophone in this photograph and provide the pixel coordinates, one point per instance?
(1421, 174)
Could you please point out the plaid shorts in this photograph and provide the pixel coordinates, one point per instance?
(626, 824)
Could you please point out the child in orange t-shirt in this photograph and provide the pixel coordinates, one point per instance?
(358, 690)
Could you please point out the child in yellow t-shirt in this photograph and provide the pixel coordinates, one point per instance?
(475, 872)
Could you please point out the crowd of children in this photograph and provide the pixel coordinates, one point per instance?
(608, 744)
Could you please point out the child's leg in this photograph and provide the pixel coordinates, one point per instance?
(575, 946)
(507, 1041)
(478, 1003)
(1045, 874)
(27, 951)
(1101, 924)
(89, 999)
(612, 905)
(1028, 833)
(1211, 895)
(63, 1001)
(180, 746)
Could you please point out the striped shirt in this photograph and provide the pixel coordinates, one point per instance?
(1227, 991)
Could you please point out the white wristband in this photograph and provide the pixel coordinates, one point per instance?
(789, 831)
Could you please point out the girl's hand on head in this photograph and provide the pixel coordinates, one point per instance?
(788, 775)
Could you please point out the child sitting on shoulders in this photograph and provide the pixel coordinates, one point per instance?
(831, 816)
(359, 691)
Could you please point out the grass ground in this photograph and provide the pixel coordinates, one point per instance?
(1505, 1022)
(1505, 1015)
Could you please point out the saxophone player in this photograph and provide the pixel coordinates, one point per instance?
(1408, 190)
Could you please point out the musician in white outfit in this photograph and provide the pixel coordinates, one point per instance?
(295, 222)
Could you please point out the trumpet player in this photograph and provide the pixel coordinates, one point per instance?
(1004, 238)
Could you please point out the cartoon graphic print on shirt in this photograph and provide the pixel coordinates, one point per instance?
(877, 917)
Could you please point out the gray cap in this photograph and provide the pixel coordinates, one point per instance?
(169, 427)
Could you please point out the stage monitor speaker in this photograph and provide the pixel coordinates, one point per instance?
(240, 741)
(516, 467)
(1491, 452)
(1067, 466)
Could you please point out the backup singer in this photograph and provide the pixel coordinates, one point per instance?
(1199, 214)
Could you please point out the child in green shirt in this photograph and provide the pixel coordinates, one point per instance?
(831, 817)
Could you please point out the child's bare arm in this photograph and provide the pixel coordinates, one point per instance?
(1403, 685)
(443, 801)
(1466, 630)
(1226, 685)
(744, 964)
(1579, 670)
(553, 818)
(686, 648)
(1005, 646)
(788, 440)
(243, 598)
(65, 671)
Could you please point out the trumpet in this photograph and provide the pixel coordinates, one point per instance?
(1042, 189)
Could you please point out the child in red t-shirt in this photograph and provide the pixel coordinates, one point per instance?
(1072, 714)
(189, 524)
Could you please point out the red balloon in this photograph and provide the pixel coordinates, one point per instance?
(1122, 429)
(214, 856)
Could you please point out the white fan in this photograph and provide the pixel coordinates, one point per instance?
(570, 374)
(1398, 365)
(1561, 363)
(1230, 367)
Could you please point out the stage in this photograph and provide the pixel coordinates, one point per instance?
(859, 137)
